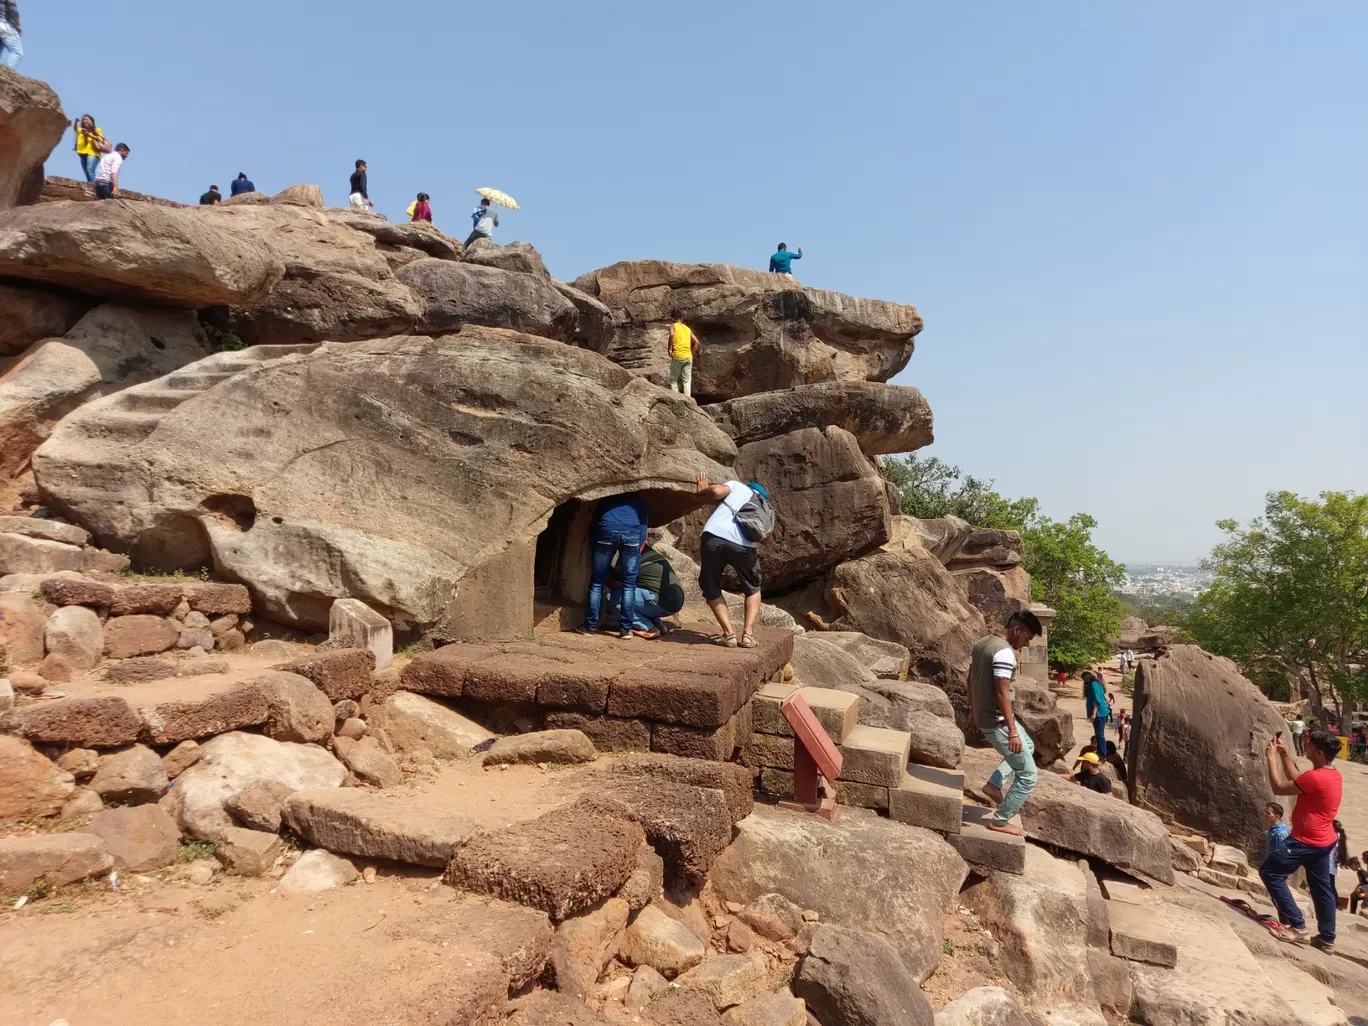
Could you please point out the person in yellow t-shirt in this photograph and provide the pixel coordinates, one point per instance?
(683, 346)
(90, 145)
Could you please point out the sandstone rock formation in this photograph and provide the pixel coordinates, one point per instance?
(387, 471)
(28, 314)
(459, 294)
(1197, 748)
(883, 418)
(31, 124)
(759, 331)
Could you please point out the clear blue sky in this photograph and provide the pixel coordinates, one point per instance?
(1136, 231)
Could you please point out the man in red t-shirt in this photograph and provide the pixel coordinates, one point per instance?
(1313, 839)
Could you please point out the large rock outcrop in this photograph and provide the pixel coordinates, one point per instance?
(29, 314)
(759, 331)
(459, 294)
(1197, 746)
(408, 472)
(883, 418)
(31, 124)
(134, 251)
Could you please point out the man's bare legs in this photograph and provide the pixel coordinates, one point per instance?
(721, 614)
(752, 612)
(993, 792)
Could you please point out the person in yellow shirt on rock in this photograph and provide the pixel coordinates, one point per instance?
(90, 145)
(683, 345)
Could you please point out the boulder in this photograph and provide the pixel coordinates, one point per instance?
(988, 547)
(300, 196)
(881, 418)
(31, 314)
(899, 880)
(134, 344)
(32, 122)
(596, 329)
(57, 859)
(164, 255)
(22, 623)
(341, 674)
(850, 978)
(583, 946)
(133, 775)
(337, 284)
(514, 256)
(1050, 727)
(419, 235)
(433, 413)
(734, 782)
(258, 806)
(30, 785)
(461, 294)
(664, 944)
(317, 870)
(298, 711)
(886, 660)
(139, 634)
(37, 389)
(727, 980)
(140, 838)
(995, 593)
(760, 332)
(563, 862)
(364, 823)
(1040, 920)
(943, 537)
(74, 633)
(909, 598)
(556, 746)
(230, 762)
(830, 503)
(1197, 746)
(373, 766)
(412, 722)
(687, 826)
(984, 1006)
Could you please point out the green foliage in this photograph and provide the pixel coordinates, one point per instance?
(1158, 610)
(1068, 572)
(191, 851)
(929, 487)
(223, 341)
(1290, 598)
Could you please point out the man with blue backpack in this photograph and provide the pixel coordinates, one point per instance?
(743, 518)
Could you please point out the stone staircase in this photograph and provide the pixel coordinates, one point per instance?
(877, 774)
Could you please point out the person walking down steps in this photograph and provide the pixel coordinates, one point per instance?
(992, 671)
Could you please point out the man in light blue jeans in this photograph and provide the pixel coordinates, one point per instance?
(11, 41)
(992, 671)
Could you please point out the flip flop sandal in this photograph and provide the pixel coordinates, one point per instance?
(725, 640)
(747, 641)
(646, 635)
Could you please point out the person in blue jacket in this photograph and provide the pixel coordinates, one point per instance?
(1095, 698)
(619, 530)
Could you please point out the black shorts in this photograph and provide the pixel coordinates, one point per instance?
(716, 555)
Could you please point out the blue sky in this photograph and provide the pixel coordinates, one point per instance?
(1136, 232)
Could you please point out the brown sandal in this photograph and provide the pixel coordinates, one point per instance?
(748, 641)
(725, 640)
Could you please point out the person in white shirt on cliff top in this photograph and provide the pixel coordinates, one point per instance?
(992, 671)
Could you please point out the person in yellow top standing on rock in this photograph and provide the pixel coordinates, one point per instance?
(90, 145)
(683, 345)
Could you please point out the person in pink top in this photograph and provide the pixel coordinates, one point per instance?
(421, 210)
(1313, 840)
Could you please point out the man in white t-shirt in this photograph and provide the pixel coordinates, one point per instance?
(107, 175)
(724, 545)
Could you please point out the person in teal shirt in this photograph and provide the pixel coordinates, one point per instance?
(1095, 697)
(782, 261)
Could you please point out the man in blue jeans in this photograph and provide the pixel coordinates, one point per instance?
(992, 670)
(1095, 698)
(1313, 839)
(619, 530)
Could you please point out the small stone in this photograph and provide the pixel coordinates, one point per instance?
(181, 611)
(665, 944)
(374, 766)
(646, 986)
(777, 1009)
(727, 980)
(6, 694)
(258, 805)
(345, 710)
(181, 758)
(368, 874)
(195, 620)
(222, 624)
(247, 852)
(201, 638)
(196, 652)
(135, 775)
(740, 937)
(200, 872)
(773, 916)
(352, 727)
(616, 990)
(645, 883)
(84, 802)
(139, 668)
(231, 641)
(27, 681)
(558, 746)
(80, 762)
(811, 916)
(317, 870)
(734, 907)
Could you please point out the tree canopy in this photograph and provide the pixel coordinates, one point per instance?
(1068, 571)
(1290, 598)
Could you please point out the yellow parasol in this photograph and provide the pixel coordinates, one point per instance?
(503, 199)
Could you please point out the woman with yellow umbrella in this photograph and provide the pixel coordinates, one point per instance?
(484, 218)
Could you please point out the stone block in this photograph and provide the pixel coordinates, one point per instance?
(861, 796)
(988, 849)
(140, 838)
(875, 755)
(217, 599)
(258, 806)
(646, 881)
(930, 798)
(608, 733)
(716, 744)
(766, 707)
(562, 862)
(76, 591)
(23, 555)
(727, 980)
(338, 673)
(776, 782)
(733, 781)
(768, 750)
(836, 711)
(412, 722)
(179, 711)
(353, 624)
(688, 826)
(1140, 934)
(137, 635)
(441, 673)
(38, 527)
(140, 668)
(56, 858)
(247, 852)
(103, 722)
(585, 691)
(145, 597)
(554, 746)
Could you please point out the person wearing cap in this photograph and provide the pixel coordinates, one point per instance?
(241, 184)
(1090, 774)
(724, 545)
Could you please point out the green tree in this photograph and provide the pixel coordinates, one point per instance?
(1067, 570)
(1290, 600)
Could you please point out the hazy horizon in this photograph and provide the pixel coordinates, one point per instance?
(1136, 233)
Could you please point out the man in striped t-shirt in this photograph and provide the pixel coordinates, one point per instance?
(992, 670)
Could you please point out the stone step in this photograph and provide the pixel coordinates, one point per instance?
(154, 400)
(875, 755)
(988, 849)
(837, 711)
(1139, 934)
(193, 379)
(112, 424)
(929, 797)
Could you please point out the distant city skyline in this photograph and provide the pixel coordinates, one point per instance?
(1135, 231)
